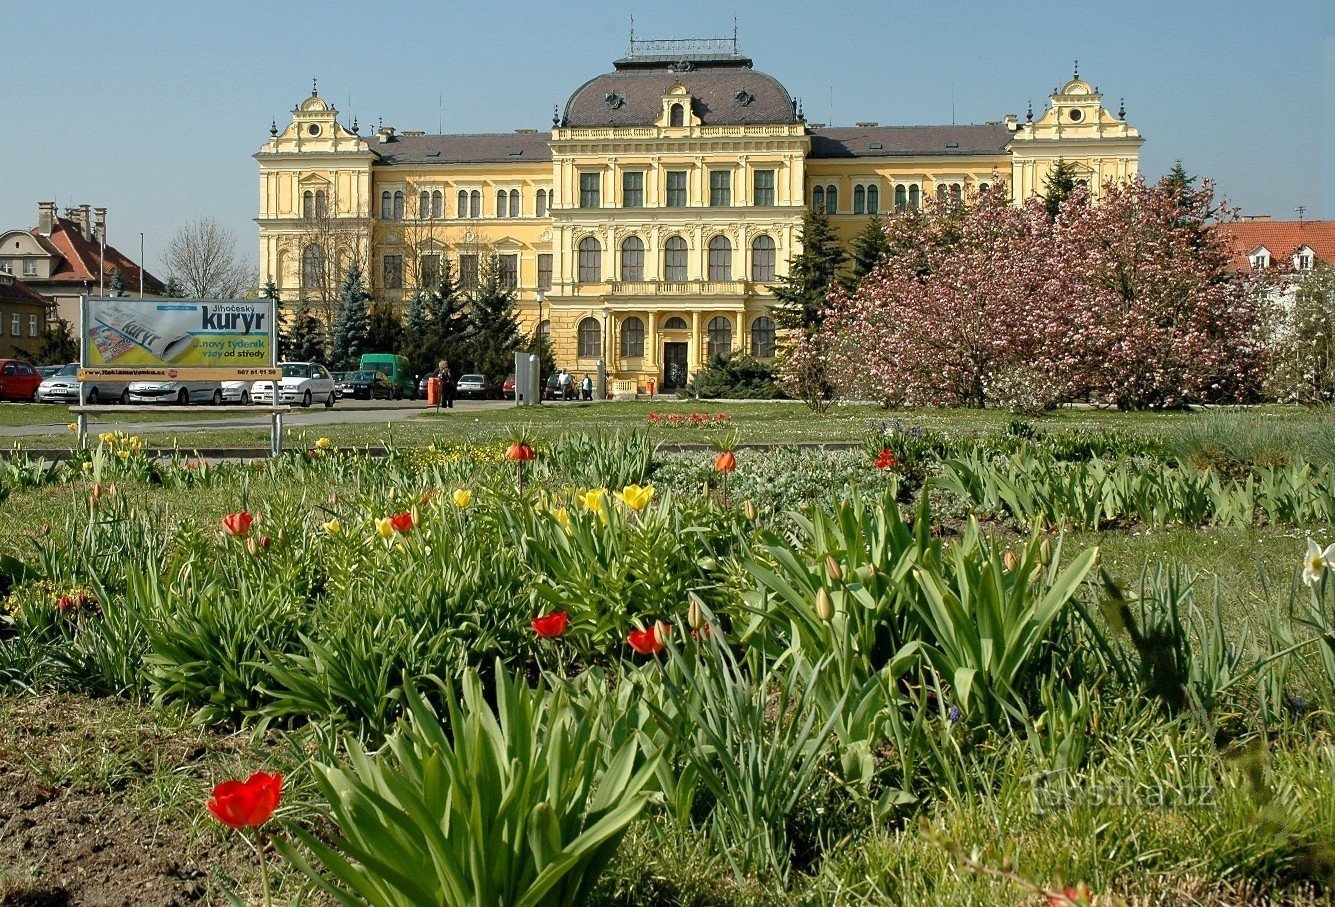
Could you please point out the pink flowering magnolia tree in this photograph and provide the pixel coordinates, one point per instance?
(1123, 302)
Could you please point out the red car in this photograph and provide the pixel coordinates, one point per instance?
(508, 388)
(18, 380)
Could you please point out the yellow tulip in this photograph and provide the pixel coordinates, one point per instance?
(74, 426)
(333, 527)
(385, 527)
(592, 499)
(636, 497)
(323, 443)
(462, 498)
(562, 516)
(106, 437)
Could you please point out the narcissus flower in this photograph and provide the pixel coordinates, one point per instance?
(636, 497)
(725, 462)
(552, 625)
(249, 803)
(1317, 562)
(649, 641)
(323, 444)
(462, 498)
(238, 523)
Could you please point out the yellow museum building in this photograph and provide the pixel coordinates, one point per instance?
(647, 226)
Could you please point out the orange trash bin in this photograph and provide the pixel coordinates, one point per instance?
(434, 391)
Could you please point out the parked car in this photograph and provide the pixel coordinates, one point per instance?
(338, 383)
(393, 367)
(46, 371)
(95, 392)
(180, 393)
(302, 383)
(473, 386)
(508, 388)
(367, 385)
(236, 392)
(18, 379)
(62, 387)
(551, 389)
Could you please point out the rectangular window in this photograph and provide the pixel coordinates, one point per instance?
(544, 270)
(676, 188)
(393, 272)
(763, 193)
(508, 266)
(468, 272)
(430, 270)
(29, 267)
(632, 189)
(590, 190)
(32, 325)
(16, 325)
(720, 188)
(6, 266)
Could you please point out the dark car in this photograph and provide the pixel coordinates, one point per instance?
(476, 387)
(18, 379)
(338, 382)
(551, 390)
(367, 386)
(508, 388)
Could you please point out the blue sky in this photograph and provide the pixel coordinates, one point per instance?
(153, 109)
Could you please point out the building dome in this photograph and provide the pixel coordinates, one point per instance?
(725, 90)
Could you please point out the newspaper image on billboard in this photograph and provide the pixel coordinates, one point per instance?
(158, 335)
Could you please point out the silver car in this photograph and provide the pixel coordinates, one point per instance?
(179, 392)
(63, 387)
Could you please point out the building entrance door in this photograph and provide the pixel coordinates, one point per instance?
(674, 365)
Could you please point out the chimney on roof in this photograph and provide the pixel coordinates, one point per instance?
(1011, 121)
(385, 134)
(86, 221)
(99, 225)
(46, 217)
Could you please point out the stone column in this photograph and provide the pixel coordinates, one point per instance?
(693, 360)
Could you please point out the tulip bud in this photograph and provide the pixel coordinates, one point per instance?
(252, 545)
(1009, 561)
(265, 541)
(865, 574)
(824, 605)
(694, 616)
(1045, 552)
(832, 568)
(662, 632)
(333, 498)
(749, 511)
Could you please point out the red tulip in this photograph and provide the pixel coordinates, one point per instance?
(402, 522)
(885, 460)
(247, 804)
(650, 641)
(725, 462)
(550, 626)
(519, 453)
(238, 523)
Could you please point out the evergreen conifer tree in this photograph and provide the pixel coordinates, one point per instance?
(869, 248)
(450, 326)
(800, 294)
(1058, 187)
(385, 334)
(495, 325)
(57, 345)
(116, 286)
(282, 333)
(350, 325)
(176, 291)
(305, 338)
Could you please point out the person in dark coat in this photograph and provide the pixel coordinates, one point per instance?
(447, 384)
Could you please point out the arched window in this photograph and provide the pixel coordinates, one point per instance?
(463, 204)
(437, 204)
(475, 203)
(632, 337)
(590, 339)
(915, 197)
(632, 258)
(674, 258)
(308, 204)
(956, 191)
(942, 192)
(983, 187)
(501, 207)
(398, 205)
(514, 202)
(719, 336)
(386, 205)
(901, 198)
(762, 259)
(321, 203)
(762, 337)
(312, 267)
(1082, 184)
(541, 210)
(676, 115)
(590, 260)
(675, 323)
(873, 199)
(859, 199)
(720, 258)
(818, 198)
(424, 204)
(831, 199)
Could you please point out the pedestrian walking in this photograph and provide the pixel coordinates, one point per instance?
(447, 384)
(586, 387)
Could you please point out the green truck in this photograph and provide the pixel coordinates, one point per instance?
(395, 368)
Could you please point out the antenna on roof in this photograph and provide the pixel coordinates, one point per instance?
(440, 114)
(734, 34)
(1076, 74)
(315, 87)
(1301, 210)
(630, 48)
(952, 103)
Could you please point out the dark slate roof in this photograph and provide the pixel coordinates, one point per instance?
(13, 290)
(481, 148)
(727, 91)
(857, 141)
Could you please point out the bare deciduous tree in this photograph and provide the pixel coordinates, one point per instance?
(202, 258)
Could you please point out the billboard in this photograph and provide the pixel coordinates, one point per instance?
(202, 339)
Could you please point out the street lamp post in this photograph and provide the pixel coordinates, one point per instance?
(141, 265)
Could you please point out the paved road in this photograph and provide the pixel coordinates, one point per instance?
(344, 413)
